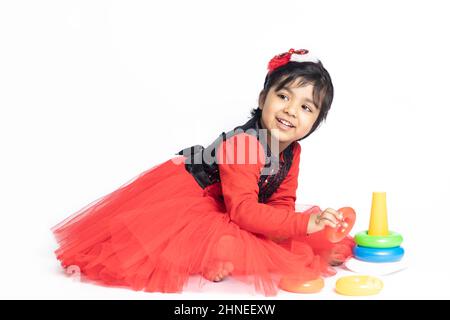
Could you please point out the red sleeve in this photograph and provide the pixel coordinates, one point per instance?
(241, 159)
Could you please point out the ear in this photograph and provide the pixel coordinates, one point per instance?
(261, 99)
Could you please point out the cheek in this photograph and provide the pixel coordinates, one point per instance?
(274, 104)
(305, 125)
(265, 118)
(268, 113)
(311, 120)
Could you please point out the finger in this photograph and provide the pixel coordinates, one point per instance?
(328, 222)
(335, 213)
(330, 216)
(343, 224)
(321, 218)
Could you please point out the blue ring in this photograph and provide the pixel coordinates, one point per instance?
(378, 254)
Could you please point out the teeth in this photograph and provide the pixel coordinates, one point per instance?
(285, 122)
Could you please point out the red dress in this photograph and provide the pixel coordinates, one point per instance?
(162, 226)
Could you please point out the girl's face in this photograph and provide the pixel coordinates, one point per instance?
(293, 104)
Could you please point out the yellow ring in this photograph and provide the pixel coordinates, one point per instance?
(358, 285)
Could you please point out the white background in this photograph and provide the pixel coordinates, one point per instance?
(92, 93)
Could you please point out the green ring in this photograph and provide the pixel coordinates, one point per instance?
(392, 240)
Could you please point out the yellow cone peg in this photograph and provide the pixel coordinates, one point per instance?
(378, 225)
(378, 244)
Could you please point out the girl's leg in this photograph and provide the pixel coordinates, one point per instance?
(333, 253)
(220, 266)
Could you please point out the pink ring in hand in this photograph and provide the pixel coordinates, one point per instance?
(340, 232)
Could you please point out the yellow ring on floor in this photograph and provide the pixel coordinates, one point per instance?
(358, 285)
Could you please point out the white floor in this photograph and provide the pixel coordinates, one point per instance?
(30, 270)
(36, 275)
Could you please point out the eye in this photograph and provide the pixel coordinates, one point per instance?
(305, 107)
(282, 96)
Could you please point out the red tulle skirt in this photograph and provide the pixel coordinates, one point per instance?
(159, 228)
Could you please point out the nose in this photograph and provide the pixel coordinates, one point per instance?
(290, 108)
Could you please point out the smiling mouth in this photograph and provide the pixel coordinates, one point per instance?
(285, 123)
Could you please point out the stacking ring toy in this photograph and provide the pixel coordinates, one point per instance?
(358, 285)
(292, 284)
(378, 254)
(337, 234)
(392, 240)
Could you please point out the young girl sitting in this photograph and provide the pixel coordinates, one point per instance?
(227, 209)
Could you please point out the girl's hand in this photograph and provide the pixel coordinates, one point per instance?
(328, 217)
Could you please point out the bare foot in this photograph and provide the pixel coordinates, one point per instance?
(220, 265)
(218, 271)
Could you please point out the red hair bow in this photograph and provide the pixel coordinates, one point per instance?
(283, 58)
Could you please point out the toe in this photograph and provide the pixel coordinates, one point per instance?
(209, 275)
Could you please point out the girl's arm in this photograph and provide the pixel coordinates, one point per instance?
(285, 196)
(240, 189)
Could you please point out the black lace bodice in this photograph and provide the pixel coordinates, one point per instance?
(202, 165)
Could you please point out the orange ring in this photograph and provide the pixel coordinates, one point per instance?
(293, 284)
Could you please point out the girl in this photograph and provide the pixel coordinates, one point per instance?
(224, 210)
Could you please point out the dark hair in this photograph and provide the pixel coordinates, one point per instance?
(308, 73)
